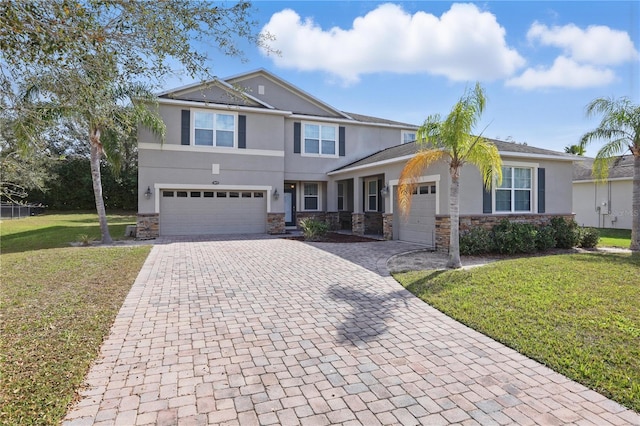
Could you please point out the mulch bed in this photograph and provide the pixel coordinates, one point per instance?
(334, 237)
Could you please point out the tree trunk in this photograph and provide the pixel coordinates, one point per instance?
(454, 222)
(635, 207)
(96, 153)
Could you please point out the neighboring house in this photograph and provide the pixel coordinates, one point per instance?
(255, 154)
(604, 204)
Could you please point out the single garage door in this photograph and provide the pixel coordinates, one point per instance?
(195, 212)
(420, 225)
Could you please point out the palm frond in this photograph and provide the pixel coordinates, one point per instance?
(486, 157)
(410, 174)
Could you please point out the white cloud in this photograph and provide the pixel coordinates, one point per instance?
(463, 44)
(588, 56)
(597, 44)
(564, 73)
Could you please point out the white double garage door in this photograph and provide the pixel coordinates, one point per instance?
(202, 212)
(420, 225)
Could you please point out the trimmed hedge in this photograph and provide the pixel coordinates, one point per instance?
(517, 238)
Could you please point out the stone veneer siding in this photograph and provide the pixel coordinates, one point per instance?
(320, 216)
(147, 226)
(275, 223)
(345, 220)
(387, 226)
(333, 220)
(487, 222)
(373, 223)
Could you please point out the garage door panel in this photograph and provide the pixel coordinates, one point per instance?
(420, 225)
(213, 215)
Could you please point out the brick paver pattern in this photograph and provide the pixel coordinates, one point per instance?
(271, 331)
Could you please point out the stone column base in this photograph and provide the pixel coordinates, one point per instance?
(147, 226)
(357, 223)
(387, 226)
(275, 223)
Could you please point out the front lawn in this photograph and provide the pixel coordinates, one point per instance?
(614, 237)
(58, 230)
(578, 313)
(56, 307)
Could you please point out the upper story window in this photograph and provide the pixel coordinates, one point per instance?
(320, 139)
(214, 129)
(515, 193)
(408, 136)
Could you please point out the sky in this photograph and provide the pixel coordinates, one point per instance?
(539, 62)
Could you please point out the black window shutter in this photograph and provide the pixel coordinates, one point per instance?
(541, 185)
(341, 141)
(242, 131)
(185, 131)
(297, 131)
(486, 200)
(379, 195)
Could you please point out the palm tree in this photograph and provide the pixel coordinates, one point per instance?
(107, 111)
(451, 139)
(575, 149)
(620, 128)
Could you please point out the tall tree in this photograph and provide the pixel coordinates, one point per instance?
(86, 59)
(620, 129)
(451, 140)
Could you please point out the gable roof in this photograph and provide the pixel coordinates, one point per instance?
(195, 92)
(405, 151)
(620, 168)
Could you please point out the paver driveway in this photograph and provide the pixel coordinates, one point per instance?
(273, 331)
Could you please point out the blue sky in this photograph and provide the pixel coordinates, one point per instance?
(540, 62)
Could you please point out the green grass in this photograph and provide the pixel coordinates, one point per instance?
(56, 307)
(614, 237)
(577, 314)
(58, 230)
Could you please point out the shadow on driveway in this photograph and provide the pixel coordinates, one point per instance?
(367, 319)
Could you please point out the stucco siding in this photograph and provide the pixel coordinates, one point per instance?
(603, 205)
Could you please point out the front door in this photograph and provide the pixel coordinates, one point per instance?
(290, 204)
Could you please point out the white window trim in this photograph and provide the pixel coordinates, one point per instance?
(344, 196)
(534, 189)
(319, 197)
(367, 194)
(303, 147)
(404, 132)
(192, 132)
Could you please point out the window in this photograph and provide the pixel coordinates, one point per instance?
(213, 129)
(246, 195)
(372, 196)
(424, 189)
(167, 193)
(181, 194)
(208, 194)
(196, 194)
(221, 194)
(408, 137)
(341, 196)
(311, 196)
(320, 140)
(514, 195)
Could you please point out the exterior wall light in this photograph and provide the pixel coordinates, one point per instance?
(384, 191)
(276, 195)
(148, 193)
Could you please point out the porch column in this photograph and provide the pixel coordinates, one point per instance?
(357, 217)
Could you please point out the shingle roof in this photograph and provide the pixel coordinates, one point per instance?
(411, 148)
(621, 167)
(369, 119)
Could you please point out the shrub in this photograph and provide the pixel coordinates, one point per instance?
(545, 238)
(475, 241)
(589, 237)
(314, 230)
(567, 232)
(512, 237)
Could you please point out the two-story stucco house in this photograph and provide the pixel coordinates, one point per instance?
(255, 154)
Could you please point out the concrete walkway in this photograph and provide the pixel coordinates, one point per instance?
(271, 331)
